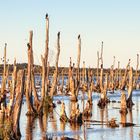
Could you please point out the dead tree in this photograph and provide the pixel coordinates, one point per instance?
(78, 65)
(123, 82)
(101, 79)
(46, 54)
(13, 87)
(62, 84)
(54, 83)
(123, 109)
(28, 81)
(101, 71)
(97, 76)
(83, 73)
(69, 75)
(101, 55)
(117, 76)
(5, 73)
(130, 89)
(18, 103)
(136, 73)
(103, 99)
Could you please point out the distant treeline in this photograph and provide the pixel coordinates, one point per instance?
(38, 69)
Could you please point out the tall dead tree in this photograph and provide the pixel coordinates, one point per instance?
(117, 75)
(136, 72)
(18, 103)
(130, 89)
(78, 65)
(28, 81)
(62, 84)
(101, 55)
(13, 87)
(83, 73)
(43, 77)
(101, 71)
(5, 72)
(97, 76)
(46, 54)
(54, 83)
(123, 82)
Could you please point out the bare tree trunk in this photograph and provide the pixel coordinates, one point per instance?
(83, 72)
(123, 103)
(14, 79)
(53, 88)
(123, 84)
(97, 76)
(5, 59)
(43, 77)
(18, 103)
(101, 79)
(62, 85)
(36, 100)
(5, 73)
(28, 81)
(47, 80)
(46, 54)
(78, 65)
(136, 73)
(29, 127)
(101, 56)
(69, 75)
(130, 88)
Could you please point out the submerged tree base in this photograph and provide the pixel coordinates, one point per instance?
(103, 102)
(129, 103)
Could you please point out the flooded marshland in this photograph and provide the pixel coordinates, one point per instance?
(71, 103)
(94, 127)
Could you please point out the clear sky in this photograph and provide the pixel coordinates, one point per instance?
(116, 22)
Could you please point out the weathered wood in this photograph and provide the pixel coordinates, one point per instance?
(136, 73)
(53, 88)
(123, 83)
(5, 72)
(97, 75)
(62, 85)
(101, 55)
(47, 41)
(18, 103)
(43, 77)
(63, 115)
(83, 73)
(101, 79)
(46, 55)
(123, 109)
(36, 100)
(5, 59)
(47, 80)
(130, 88)
(78, 66)
(29, 128)
(28, 81)
(14, 80)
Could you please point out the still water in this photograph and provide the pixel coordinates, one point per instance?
(51, 127)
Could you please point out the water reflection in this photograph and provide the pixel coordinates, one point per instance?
(29, 128)
(123, 119)
(75, 128)
(131, 122)
(50, 124)
(62, 129)
(102, 117)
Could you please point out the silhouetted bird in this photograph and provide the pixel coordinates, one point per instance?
(78, 36)
(46, 15)
(58, 34)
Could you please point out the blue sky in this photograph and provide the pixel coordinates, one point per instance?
(116, 22)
